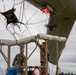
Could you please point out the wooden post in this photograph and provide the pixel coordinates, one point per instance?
(8, 57)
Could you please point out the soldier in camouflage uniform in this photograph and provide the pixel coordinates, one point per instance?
(19, 59)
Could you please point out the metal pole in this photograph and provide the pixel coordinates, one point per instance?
(46, 58)
(31, 53)
(4, 56)
(8, 57)
(26, 70)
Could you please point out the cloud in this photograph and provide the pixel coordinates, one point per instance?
(67, 67)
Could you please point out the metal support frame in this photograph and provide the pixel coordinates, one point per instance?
(26, 70)
(8, 65)
(32, 52)
(4, 56)
(7, 59)
(46, 58)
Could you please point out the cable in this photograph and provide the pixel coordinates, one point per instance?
(28, 21)
(22, 12)
(24, 31)
(23, 15)
(37, 22)
(13, 33)
(32, 16)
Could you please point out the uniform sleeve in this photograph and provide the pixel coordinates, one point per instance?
(15, 59)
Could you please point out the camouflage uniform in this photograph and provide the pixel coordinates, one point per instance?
(19, 61)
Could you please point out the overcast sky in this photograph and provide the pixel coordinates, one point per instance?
(67, 62)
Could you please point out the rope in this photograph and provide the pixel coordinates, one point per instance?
(24, 31)
(13, 33)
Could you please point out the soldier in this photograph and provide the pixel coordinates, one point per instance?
(19, 59)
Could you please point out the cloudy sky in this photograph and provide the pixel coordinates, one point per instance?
(36, 21)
